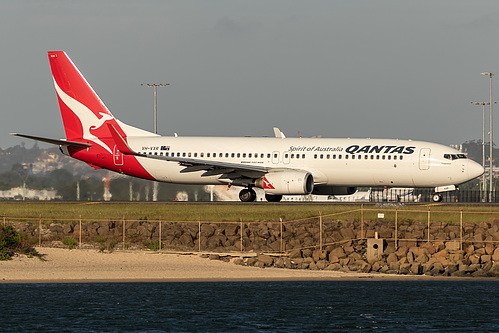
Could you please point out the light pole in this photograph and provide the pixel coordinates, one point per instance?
(484, 185)
(155, 86)
(491, 172)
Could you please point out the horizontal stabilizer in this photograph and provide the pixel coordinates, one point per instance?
(120, 142)
(54, 141)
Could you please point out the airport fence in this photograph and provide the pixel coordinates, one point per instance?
(407, 195)
(400, 226)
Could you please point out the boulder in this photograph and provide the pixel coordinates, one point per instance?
(365, 268)
(495, 255)
(265, 259)
(474, 259)
(307, 253)
(214, 257)
(442, 254)
(322, 264)
(422, 259)
(494, 270)
(405, 268)
(489, 249)
(402, 251)
(295, 254)
(376, 266)
(337, 252)
(333, 267)
(251, 261)
(283, 262)
(347, 233)
(392, 257)
(451, 269)
(238, 261)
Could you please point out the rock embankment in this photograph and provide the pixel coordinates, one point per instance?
(432, 258)
(409, 248)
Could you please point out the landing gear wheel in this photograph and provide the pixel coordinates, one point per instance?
(437, 197)
(273, 198)
(247, 195)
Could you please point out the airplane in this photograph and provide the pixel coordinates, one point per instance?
(278, 165)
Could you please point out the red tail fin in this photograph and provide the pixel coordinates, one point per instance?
(83, 112)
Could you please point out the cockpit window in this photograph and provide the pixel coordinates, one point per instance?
(454, 156)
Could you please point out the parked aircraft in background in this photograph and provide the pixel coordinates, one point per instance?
(278, 165)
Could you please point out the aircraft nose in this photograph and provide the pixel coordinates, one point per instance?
(474, 169)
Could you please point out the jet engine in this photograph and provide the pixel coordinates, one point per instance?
(286, 182)
(334, 190)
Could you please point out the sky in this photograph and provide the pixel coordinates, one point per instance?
(353, 68)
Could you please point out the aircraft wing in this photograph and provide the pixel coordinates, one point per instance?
(231, 171)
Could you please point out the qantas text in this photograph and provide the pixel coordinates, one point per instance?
(355, 149)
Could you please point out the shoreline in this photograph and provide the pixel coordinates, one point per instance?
(91, 266)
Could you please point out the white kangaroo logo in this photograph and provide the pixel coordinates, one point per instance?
(89, 121)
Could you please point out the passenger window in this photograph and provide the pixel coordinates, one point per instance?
(232, 155)
(268, 155)
(244, 155)
(401, 158)
(195, 154)
(166, 154)
(322, 156)
(395, 157)
(207, 155)
(389, 157)
(372, 157)
(302, 155)
(189, 155)
(353, 157)
(202, 155)
(238, 155)
(339, 157)
(383, 157)
(315, 155)
(346, 157)
(328, 156)
(334, 156)
(161, 154)
(377, 157)
(366, 157)
(275, 155)
(249, 155)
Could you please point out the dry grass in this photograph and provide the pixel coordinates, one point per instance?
(237, 211)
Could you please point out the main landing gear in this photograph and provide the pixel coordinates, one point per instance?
(273, 198)
(437, 197)
(247, 195)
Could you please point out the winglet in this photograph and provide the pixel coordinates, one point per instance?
(278, 133)
(120, 142)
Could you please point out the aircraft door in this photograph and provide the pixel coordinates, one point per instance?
(424, 158)
(275, 157)
(117, 156)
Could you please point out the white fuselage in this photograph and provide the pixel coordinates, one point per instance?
(336, 162)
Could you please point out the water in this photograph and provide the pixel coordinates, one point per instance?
(333, 306)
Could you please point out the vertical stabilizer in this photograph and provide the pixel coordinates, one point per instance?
(83, 112)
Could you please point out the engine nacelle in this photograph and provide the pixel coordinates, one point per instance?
(334, 190)
(286, 182)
